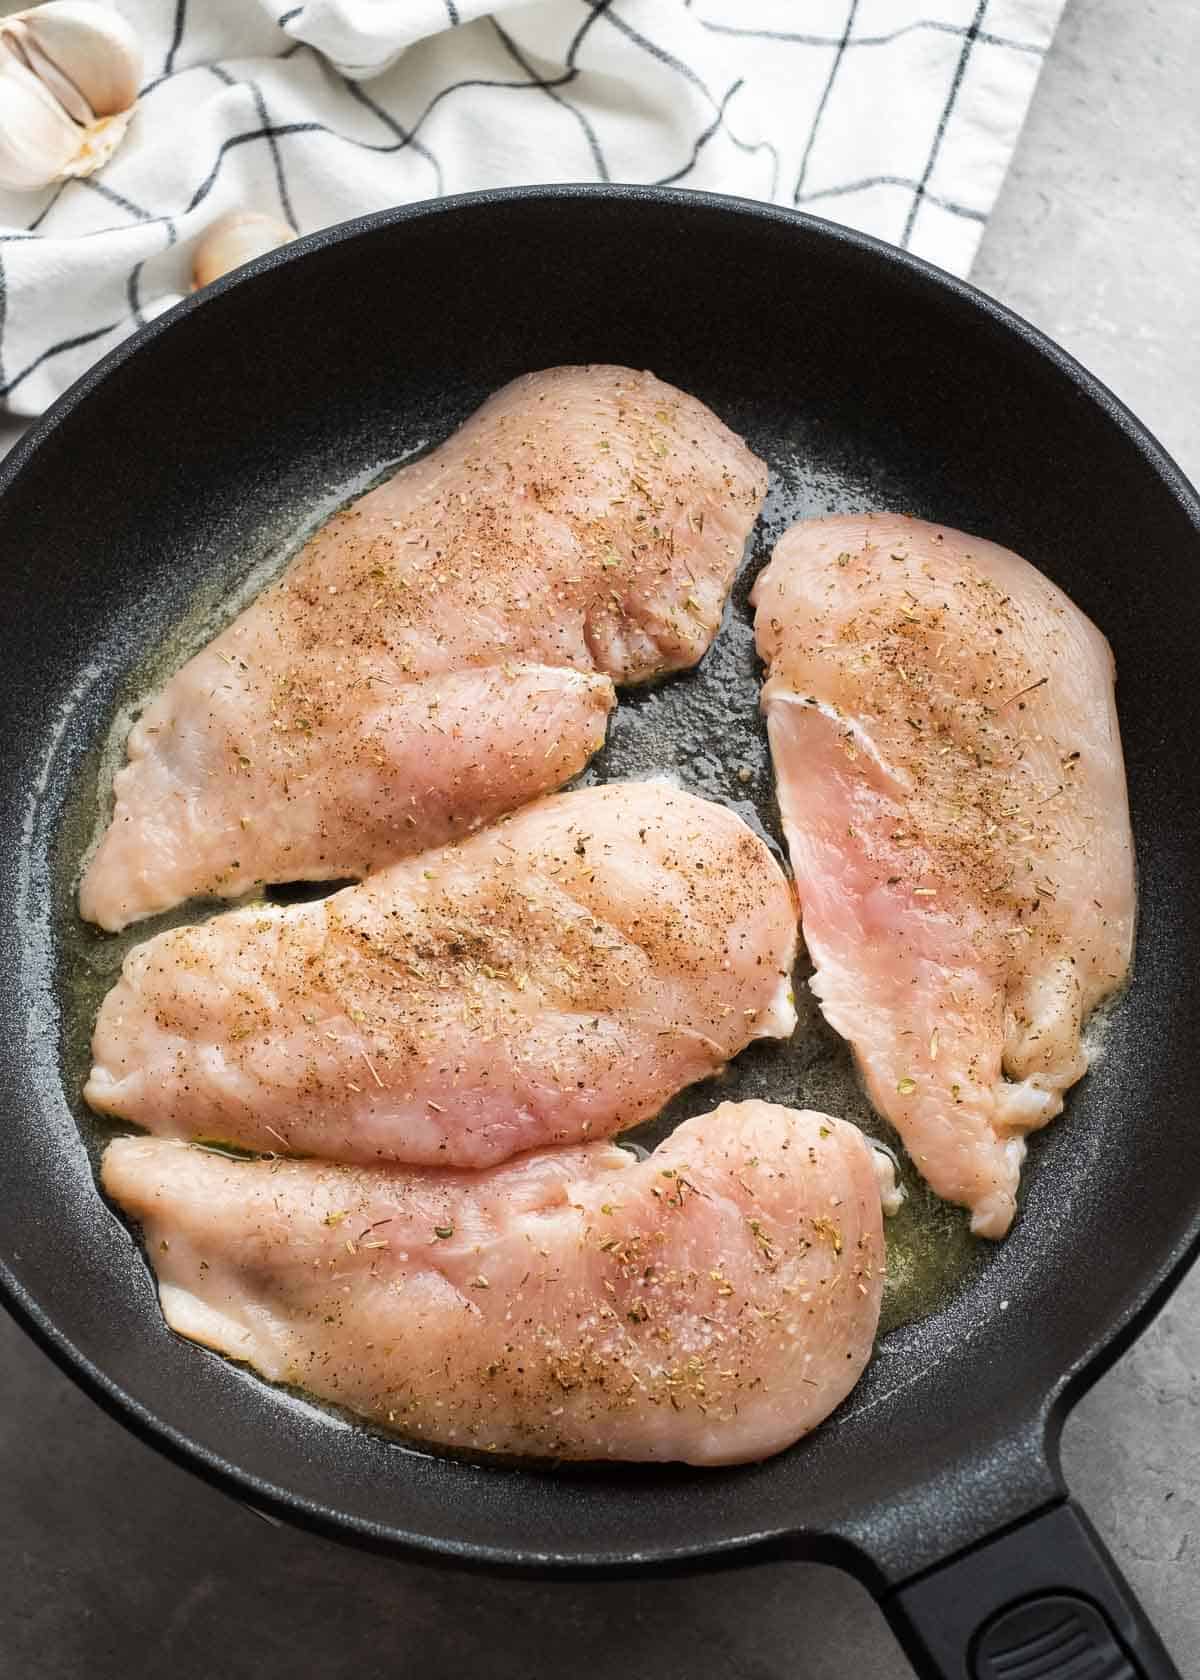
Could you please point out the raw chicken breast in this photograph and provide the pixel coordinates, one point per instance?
(442, 650)
(949, 768)
(554, 978)
(711, 1303)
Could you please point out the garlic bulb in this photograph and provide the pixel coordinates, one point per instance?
(69, 74)
(232, 241)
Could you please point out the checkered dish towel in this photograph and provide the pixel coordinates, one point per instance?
(894, 116)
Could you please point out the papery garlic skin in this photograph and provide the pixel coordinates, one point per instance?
(69, 75)
(93, 46)
(37, 139)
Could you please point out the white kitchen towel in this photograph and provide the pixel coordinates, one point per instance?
(895, 116)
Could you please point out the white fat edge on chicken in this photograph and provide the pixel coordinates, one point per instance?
(846, 724)
(892, 1194)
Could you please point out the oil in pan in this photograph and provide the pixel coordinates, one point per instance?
(701, 729)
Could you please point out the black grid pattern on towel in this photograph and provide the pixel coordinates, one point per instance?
(595, 13)
(972, 35)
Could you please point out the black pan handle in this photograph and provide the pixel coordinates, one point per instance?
(1042, 1601)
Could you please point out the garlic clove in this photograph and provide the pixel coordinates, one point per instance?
(96, 144)
(234, 240)
(37, 139)
(69, 74)
(61, 87)
(90, 45)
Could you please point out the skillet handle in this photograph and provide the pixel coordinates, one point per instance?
(1042, 1601)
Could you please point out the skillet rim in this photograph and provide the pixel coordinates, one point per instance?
(1041, 1425)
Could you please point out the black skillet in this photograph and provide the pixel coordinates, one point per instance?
(938, 1482)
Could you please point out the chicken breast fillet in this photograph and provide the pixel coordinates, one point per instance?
(554, 978)
(949, 768)
(442, 650)
(711, 1303)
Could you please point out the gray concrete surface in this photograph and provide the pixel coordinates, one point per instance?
(113, 1562)
(1096, 236)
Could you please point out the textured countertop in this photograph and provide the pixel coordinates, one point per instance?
(113, 1562)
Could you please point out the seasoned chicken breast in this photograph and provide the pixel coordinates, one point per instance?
(711, 1303)
(551, 979)
(949, 768)
(442, 650)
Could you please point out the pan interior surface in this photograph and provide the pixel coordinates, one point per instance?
(864, 380)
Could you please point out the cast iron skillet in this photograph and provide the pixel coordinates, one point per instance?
(938, 1481)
